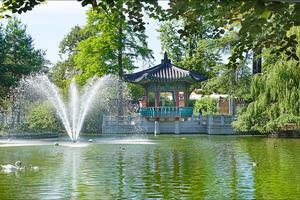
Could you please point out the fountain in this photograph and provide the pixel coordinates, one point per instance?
(74, 111)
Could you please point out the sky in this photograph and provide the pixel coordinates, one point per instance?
(50, 22)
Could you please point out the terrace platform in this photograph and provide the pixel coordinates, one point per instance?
(135, 124)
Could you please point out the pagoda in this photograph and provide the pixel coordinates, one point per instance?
(169, 86)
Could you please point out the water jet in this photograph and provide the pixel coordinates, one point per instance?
(74, 110)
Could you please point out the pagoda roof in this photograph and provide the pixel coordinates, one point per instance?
(164, 72)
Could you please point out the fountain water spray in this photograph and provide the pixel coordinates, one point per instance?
(72, 113)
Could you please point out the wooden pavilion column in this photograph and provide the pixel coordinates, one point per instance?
(174, 98)
(146, 94)
(157, 97)
(177, 98)
(186, 96)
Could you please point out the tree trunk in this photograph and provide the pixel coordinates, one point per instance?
(120, 69)
(257, 62)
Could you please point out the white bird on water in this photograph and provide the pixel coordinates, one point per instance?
(12, 168)
(35, 168)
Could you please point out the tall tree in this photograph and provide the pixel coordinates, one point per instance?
(275, 94)
(18, 57)
(65, 69)
(171, 41)
(112, 45)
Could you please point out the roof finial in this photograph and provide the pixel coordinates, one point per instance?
(166, 59)
(165, 56)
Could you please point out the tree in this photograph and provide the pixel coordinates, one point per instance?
(233, 80)
(107, 44)
(207, 58)
(193, 50)
(133, 9)
(275, 95)
(96, 48)
(263, 23)
(112, 46)
(171, 41)
(207, 105)
(18, 57)
(64, 70)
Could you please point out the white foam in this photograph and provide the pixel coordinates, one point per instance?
(7, 143)
(129, 141)
(20, 143)
(71, 144)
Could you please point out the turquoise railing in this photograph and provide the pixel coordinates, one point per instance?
(166, 112)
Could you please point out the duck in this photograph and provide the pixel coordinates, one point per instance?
(34, 168)
(56, 144)
(12, 168)
(254, 164)
(122, 148)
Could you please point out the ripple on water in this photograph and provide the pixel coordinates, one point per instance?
(197, 167)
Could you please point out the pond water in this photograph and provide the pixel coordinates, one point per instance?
(161, 167)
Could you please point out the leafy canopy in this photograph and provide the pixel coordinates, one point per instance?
(18, 57)
(275, 94)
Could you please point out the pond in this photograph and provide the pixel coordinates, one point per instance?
(161, 167)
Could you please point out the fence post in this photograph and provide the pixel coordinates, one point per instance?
(210, 120)
(222, 120)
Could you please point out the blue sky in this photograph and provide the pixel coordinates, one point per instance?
(50, 22)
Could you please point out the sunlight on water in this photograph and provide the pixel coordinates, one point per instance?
(161, 167)
(128, 141)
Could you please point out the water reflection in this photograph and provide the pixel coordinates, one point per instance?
(197, 167)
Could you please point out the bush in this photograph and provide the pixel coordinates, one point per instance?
(42, 118)
(207, 105)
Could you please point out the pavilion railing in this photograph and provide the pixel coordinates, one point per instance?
(166, 112)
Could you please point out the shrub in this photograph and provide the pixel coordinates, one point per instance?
(207, 105)
(42, 118)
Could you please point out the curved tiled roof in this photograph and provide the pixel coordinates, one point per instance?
(164, 72)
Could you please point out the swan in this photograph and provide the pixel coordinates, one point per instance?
(12, 168)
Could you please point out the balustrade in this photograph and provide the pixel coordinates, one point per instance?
(166, 112)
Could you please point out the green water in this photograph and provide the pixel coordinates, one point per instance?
(163, 167)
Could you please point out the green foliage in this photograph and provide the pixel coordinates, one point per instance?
(61, 73)
(260, 23)
(105, 45)
(112, 46)
(17, 6)
(18, 57)
(276, 97)
(207, 59)
(171, 41)
(191, 103)
(134, 10)
(207, 105)
(42, 118)
(136, 91)
(64, 70)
